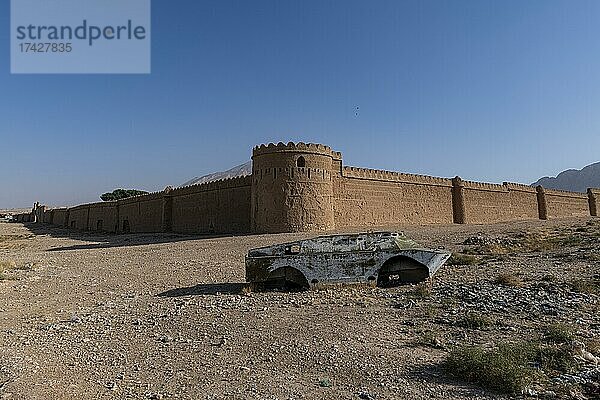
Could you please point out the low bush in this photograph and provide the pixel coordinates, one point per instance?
(463, 259)
(508, 280)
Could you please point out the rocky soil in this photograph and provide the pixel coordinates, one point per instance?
(167, 317)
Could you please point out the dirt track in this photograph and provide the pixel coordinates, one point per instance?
(163, 316)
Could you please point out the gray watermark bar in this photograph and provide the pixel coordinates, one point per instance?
(80, 36)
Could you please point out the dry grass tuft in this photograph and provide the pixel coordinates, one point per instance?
(589, 286)
(509, 367)
(463, 259)
(508, 279)
(558, 333)
(474, 320)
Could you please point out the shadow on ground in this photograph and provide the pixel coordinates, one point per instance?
(205, 289)
(104, 240)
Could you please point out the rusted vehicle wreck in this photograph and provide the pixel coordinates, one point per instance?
(382, 258)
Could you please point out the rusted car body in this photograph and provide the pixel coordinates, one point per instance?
(381, 258)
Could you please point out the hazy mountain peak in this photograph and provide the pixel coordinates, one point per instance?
(239, 170)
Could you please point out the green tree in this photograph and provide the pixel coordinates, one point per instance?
(119, 194)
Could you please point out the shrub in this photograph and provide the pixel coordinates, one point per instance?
(463, 259)
(508, 280)
(554, 358)
(589, 286)
(475, 321)
(558, 333)
(504, 368)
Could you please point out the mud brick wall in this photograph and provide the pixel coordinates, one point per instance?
(489, 203)
(299, 187)
(103, 217)
(292, 187)
(78, 217)
(59, 217)
(364, 197)
(216, 207)
(141, 214)
(562, 204)
(47, 216)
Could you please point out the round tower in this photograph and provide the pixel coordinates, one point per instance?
(292, 187)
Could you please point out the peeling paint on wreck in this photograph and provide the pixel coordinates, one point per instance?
(381, 258)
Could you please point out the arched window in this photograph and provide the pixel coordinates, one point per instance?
(301, 162)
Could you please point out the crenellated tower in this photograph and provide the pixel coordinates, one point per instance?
(292, 187)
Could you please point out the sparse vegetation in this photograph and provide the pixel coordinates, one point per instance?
(509, 367)
(558, 333)
(463, 259)
(590, 286)
(593, 346)
(504, 369)
(508, 279)
(474, 320)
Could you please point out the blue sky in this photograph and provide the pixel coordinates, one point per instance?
(488, 90)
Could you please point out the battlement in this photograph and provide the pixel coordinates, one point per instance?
(564, 193)
(229, 183)
(300, 147)
(142, 197)
(520, 187)
(491, 187)
(382, 175)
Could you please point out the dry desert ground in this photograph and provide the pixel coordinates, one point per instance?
(165, 316)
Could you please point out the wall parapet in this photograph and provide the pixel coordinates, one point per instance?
(142, 197)
(222, 184)
(564, 193)
(382, 175)
(489, 187)
(520, 187)
(299, 147)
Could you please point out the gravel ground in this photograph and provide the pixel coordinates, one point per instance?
(162, 316)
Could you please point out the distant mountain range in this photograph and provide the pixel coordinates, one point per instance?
(574, 180)
(240, 170)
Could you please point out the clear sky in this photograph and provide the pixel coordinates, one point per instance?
(488, 90)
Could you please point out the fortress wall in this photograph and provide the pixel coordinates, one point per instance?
(523, 201)
(594, 201)
(305, 187)
(103, 216)
(364, 197)
(292, 188)
(59, 217)
(47, 216)
(215, 207)
(78, 217)
(489, 203)
(562, 204)
(141, 213)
